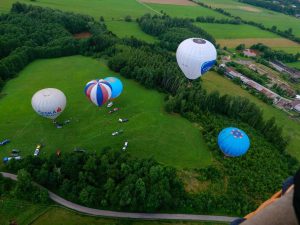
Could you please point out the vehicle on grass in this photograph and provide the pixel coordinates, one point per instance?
(37, 150)
(4, 142)
(125, 146)
(123, 120)
(117, 133)
(77, 149)
(15, 152)
(113, 110)
(110, 104)
(6, 159)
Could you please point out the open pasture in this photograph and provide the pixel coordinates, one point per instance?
(151, 132)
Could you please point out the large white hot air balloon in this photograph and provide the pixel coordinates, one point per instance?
(195, 56)
(49, 102)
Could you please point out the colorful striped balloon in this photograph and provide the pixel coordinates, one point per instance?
(98, 91)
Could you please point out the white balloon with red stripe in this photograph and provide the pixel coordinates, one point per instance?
(98, 91)
(49, 102)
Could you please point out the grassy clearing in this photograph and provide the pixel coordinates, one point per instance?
(128, 29)
(230, 31)
(151, 132)
(259, 15)
(22, 212)
(59, 216)
(295, 64)
(186, 11)
(291, 128)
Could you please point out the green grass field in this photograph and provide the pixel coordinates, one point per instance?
(185, 10)
(22, 212)
(151, 132)
(291, 128)
(295, 64)
(230, 31)
(259, 15)
(128, 29)
(59, 216)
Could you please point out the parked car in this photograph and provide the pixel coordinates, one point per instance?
(15, 152)
(4, 142)
(117, 133)
(37, 150)
(123, 120)
(110, 104)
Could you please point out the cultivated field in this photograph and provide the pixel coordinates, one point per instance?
(150, 131)
(259, 15)
(170, 2)
(291, 128)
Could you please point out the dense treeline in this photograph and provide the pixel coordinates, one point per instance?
(290, 7)
(263, 80)
(109, 179)
(211, 19)
(284, 33)
(31, 32)
(171, 31)
(269, 54)
(23, 189)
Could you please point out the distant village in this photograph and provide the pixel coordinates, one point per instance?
(279, 101)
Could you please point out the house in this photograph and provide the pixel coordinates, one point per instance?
(249, 53)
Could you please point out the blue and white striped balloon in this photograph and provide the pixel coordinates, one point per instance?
(98, 91)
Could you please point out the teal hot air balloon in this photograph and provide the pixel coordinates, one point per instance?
(233, 142)
(116, 86)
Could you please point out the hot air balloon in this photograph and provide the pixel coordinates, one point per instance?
(49, 102)
(98, 91)
(195, 56)
(116, 85)
(233, 142)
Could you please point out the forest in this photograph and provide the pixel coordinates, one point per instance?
(118, 181)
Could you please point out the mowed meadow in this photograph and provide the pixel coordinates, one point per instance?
(151, 132)
(257, 14)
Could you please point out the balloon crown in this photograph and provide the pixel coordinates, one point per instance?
(237, 134)
(199, 41)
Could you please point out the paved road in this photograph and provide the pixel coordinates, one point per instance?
(146, 216)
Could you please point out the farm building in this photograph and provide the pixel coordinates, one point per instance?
(249, 53)
(294, 74)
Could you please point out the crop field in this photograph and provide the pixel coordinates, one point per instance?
(259, 15)
(231, 31)
(128, 29)
(291, 128)
(151, 132)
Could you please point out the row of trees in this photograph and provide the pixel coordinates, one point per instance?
(284, 33)
(109, 179)
(290, 7)
(269, 54)
(171, 31)
(23, 189)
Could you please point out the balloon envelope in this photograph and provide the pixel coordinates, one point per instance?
(98, 91)
(233, 142)
(116, 85)
(195, 56)
(49, 102)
